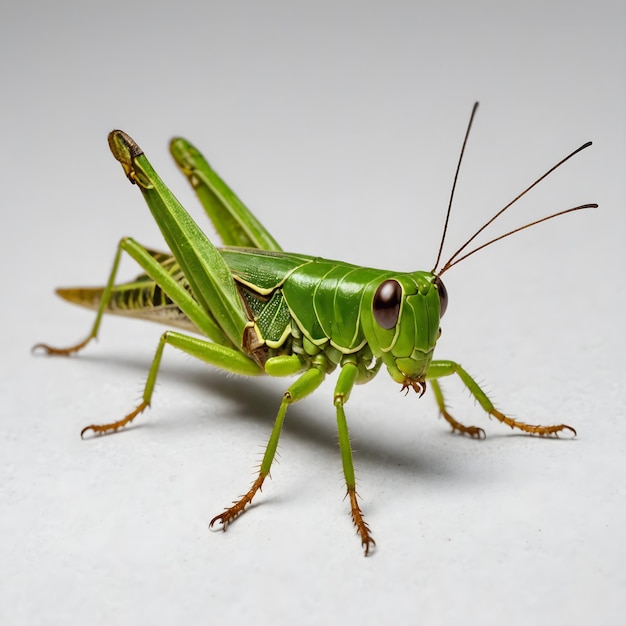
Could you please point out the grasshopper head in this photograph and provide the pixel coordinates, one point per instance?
(404, 325)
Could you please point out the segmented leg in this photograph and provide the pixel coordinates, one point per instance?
(303, 386)
(345, 382)
(233, 221)
(147, 261)
(439, 369)
(472, 431)
(233, 512)
(106, 296)
(533, 429)
(52, 351)
(214, 354)
(100, 429)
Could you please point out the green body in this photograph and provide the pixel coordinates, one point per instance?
(302, 305)
(259, 310)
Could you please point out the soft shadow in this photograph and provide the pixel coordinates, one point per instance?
(253, 400)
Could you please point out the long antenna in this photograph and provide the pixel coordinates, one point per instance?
(456, 175)
(451, 261)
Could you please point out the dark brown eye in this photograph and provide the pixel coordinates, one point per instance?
(386, 304)
(443, 295)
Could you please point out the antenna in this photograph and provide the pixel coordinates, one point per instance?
(451, 261)
(456, 175)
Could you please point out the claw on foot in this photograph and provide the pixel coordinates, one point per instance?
(533, 429)
(100, 429)
(367, 541)
(472, 431)
(231, 513)
(52, 351)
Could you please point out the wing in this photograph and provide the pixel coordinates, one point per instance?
(140, 298)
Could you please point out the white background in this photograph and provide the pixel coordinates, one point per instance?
(339, 123)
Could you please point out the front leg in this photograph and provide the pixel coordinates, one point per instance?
(439, 369)
(472, 431)
(347, 378)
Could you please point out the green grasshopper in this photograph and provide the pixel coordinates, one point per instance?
(265, 311)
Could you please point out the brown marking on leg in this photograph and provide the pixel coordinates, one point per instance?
(100, 429)
(232, 512)
(472, 431)
(52, 351)
(533, 429)
(367, 541)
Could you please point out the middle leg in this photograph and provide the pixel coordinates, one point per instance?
(308, 382)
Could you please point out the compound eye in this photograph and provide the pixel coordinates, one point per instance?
(386, 304)
(443, 295)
